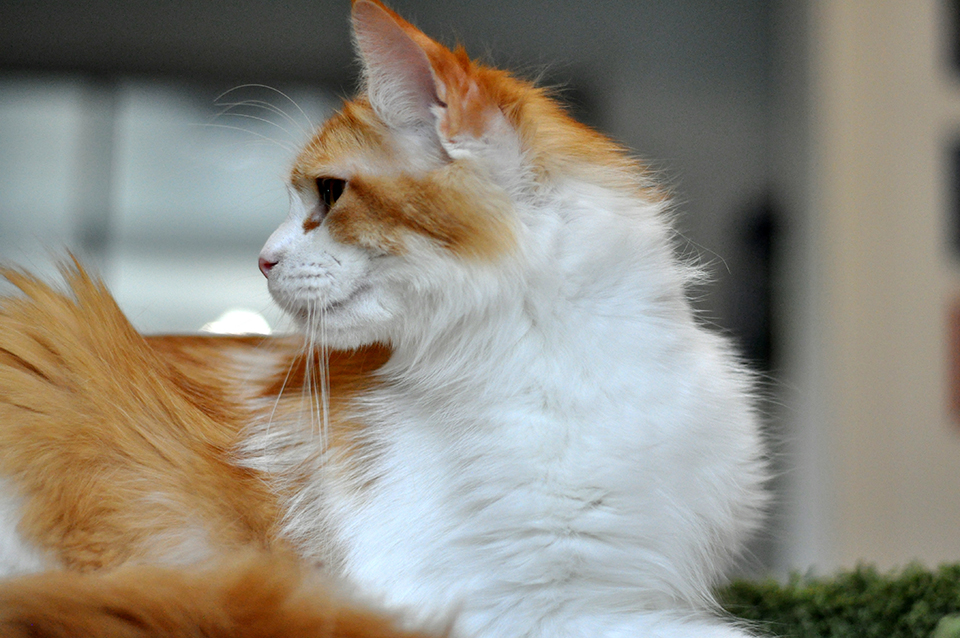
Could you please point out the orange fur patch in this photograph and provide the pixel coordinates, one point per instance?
(121, 450)
(291, 397)
(350, 371)
(255, 597)
(451, 206)
(349, 139)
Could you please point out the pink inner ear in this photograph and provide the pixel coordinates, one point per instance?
(401, 84)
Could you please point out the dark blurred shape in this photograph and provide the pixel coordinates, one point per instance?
(954, 211)
(953, 14)
(751, 291)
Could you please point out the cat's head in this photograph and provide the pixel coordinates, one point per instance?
(417, 203)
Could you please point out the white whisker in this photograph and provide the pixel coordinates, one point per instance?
(283, 386)
(286, 147)
(266, 106)
(256, 118)
(310, 124)
(307, 390)
(324, 372)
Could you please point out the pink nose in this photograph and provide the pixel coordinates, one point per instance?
(265, 266)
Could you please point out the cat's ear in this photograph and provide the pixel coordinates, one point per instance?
(411, 79)
(400, 80)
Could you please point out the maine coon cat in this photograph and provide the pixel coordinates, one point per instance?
(503, 418)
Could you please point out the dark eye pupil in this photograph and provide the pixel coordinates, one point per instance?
(330, 190)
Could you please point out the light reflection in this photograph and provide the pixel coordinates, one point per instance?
(238, 321)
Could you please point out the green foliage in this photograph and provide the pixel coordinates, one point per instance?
(948, 627)
(861, 603)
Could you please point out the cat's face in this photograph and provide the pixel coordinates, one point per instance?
(412, 206)
(382, 227)
(385, 224)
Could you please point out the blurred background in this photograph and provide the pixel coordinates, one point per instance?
(811, 147)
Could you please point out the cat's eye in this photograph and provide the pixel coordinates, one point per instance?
(330, 190)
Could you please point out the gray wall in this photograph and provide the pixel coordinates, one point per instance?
(683, 82)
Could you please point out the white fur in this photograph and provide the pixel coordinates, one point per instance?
(16, 556)
(557, 449)
(563, 452)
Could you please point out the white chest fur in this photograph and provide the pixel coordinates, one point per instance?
(561, 489)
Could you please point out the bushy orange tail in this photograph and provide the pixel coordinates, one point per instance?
(256, 597)
(119, 448)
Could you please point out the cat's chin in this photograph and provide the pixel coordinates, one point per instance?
(306, 309)
(347, 323)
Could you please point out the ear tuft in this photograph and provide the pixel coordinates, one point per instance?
(399, 78)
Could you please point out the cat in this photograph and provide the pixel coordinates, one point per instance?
(502, 419)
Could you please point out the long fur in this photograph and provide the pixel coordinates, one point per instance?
(257, 596)
(503, 418)
(119, 448)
